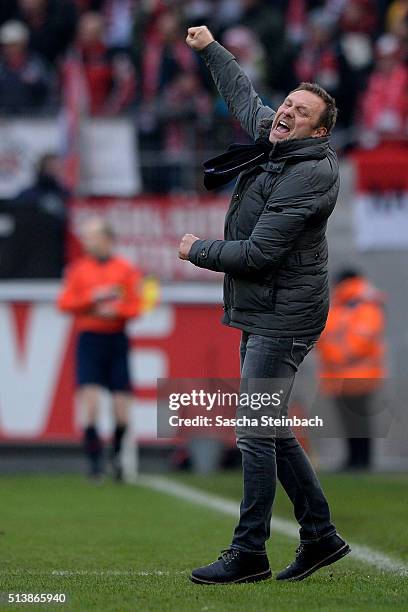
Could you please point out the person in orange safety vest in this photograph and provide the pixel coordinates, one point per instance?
(351, 353)
(103, 291)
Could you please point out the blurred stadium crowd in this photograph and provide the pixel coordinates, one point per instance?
(66, 61)
(133, 59)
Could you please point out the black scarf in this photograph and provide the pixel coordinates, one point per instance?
(222, 169)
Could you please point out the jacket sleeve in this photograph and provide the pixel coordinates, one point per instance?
(74, 298)
(236, 88)
(130, 305)
(282, 220)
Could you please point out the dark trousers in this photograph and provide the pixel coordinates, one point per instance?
(264, 459)
(355, 414)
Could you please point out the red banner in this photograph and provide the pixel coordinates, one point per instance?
(149, 229)
(380, 206)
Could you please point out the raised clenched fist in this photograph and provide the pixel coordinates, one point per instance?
(186, 243)
(199, 37)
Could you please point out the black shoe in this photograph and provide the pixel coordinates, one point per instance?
(96, 478)
(311, 557)
(116, 469)
(233, 566)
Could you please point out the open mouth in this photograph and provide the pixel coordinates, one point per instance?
(282, 127)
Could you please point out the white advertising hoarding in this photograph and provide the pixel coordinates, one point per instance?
(108, 154)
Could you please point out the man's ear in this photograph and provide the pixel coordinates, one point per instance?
(319, 132)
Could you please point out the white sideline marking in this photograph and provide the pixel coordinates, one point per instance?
(68, 573)
(116, 572)
(365, 554)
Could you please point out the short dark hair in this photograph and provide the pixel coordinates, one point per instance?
(346, 274)
(108, 230)
(44, 160)
(329, 115)
(104, 226)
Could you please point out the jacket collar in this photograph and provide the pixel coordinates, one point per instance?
(293, 151)
(300, 148)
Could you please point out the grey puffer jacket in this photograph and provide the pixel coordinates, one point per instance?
(274, 255)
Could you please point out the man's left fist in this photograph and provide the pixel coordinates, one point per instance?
(186, 243)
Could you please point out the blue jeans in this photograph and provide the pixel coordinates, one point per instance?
(264, 459)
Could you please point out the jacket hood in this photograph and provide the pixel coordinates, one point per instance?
(305, 148)
(357, 289)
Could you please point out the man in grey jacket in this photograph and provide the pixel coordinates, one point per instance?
(274, 256)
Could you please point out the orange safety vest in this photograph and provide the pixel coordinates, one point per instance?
(351, 348)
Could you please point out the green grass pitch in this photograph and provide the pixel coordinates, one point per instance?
(114, 548)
